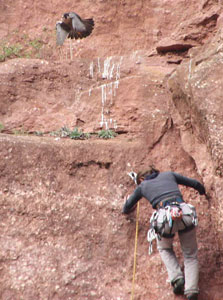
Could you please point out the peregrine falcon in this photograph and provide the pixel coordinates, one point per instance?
(72, 26)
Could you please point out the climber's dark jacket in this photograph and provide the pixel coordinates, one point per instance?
(159, 187)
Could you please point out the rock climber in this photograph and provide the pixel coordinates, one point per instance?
(172, 214)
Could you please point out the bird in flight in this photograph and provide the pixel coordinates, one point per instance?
(74, 27)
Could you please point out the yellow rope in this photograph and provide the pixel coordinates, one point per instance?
(135, 252)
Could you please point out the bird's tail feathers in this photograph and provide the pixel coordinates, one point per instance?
(72, 34)
(89, 23)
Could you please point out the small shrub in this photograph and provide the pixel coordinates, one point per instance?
(76, 134)
(107, 134)
(87, 135)
(11, 51)
(36, 44)
(38, 133)
(54, 133)
(20, 132)
(1, 127)
(73, 134)
(64, 132)
(28, 48)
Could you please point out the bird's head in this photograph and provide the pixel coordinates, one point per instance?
(66, 15)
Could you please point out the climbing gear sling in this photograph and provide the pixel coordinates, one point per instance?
(166, 220)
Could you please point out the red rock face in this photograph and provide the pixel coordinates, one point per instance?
(151, 71)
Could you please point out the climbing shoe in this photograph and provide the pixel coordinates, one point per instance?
(178, 286)
(192, 297)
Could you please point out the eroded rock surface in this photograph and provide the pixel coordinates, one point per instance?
(152, 72)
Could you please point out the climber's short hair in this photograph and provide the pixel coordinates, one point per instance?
(142, 174)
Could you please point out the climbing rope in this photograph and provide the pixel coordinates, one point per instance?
(135, 252)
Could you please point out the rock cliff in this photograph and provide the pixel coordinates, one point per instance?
(152, 72)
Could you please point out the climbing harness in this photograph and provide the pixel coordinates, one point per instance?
(167, 220)
(135, 252)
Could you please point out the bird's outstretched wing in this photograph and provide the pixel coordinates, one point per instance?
(61, 33)
(77, 23)
(80, 27)
(72, 26)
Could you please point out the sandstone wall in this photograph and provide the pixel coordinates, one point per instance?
(151, 71)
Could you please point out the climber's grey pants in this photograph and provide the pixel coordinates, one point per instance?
(189, 248)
